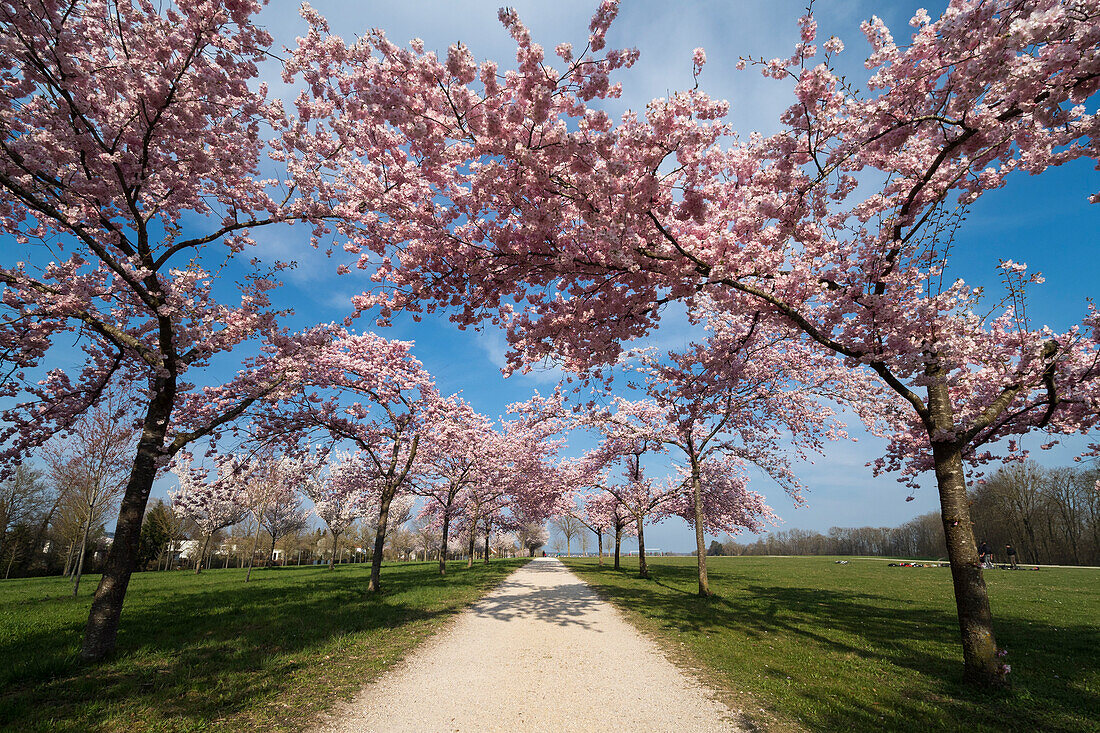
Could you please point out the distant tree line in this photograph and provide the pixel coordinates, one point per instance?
(1050, 515)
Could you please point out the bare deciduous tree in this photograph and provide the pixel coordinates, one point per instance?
(90, 465)
(24, 496)
(569, 527)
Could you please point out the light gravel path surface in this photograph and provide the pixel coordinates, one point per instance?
(540, 653)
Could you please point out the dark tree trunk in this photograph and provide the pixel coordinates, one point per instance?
(618, 542)
(375, 583)
(443, 544)
(599, 546)
(486, 547)
(79, 569)
(69, 559)
(700, 540)
(473, 539)
(255, 545)
(643, 569)
(101, 632)
(202, 555)
(980, 665)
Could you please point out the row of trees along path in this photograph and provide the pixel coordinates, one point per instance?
(126, 128)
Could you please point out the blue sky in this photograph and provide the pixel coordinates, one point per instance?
(1046, 222)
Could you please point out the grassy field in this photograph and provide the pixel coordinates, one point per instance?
(863, 646)
(209, 652)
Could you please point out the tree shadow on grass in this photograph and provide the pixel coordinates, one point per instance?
(873, 633)
(202, 650)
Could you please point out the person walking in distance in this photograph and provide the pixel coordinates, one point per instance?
(1011, 552)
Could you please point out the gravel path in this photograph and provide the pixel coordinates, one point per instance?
(540, 653)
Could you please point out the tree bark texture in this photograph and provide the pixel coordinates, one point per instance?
(375, 583)
(618, 543)
(101, 633)
(83, 551)
(980, 665)
(643, 569)
(700, 540)
(202, 555)
(443, 543)
(470, 544)
(335, 546)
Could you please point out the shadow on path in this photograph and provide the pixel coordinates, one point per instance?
(527, 594)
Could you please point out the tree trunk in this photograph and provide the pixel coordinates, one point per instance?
(618, 543)
(599, 546)
(69, 559)
(643, 570)
(255, 545)
(101, 632)
(443, 544)
(11, 561)
(980, 664)
(700, 540)
(486, 547)
(83, 550)
(380, 541)
(473, 539)
(271, 557)
(202, 555)
(335, 545)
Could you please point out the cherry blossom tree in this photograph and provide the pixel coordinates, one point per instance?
(638, 496)
(373, 395)
(505, 544)
(532, 536)
(841, 222)
(343, 496)
(269, 486)
(515, 481)
(748, 394)
(596, 526)
(728, 506)
(282, 516)
(604, 510)
(458, 448)
(212, 503)
(131, 141)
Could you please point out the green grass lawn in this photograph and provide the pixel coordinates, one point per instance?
(864, 647)
(210, 652)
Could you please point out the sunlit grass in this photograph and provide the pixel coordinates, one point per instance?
(210, 652)
(864, 646)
